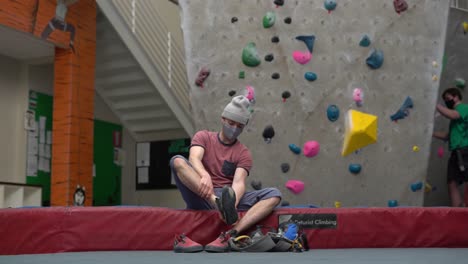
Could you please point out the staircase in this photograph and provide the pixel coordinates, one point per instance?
(140, 71)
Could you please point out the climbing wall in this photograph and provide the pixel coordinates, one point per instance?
(391, 156)
(454, 74)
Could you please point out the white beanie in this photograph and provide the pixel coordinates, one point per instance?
(238, 110)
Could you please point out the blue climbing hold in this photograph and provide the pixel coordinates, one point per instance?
(354, 168)
(308, 40)
(310, 76)
(392, 203)
(295, 149)
(375, 59)
(416, 186)
(333, 112)
(365, 41)
(330, 5)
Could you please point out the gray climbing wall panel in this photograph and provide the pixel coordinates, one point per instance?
(456, 66)
(411, 42)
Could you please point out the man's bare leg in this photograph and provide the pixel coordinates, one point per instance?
(189, 177)
(259, 211)
(455, 196)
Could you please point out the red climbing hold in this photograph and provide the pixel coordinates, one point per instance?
(202, 75)
(400, 6)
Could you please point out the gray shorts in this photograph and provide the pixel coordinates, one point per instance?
(195, 202)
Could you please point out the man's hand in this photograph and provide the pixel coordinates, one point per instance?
(206, 187)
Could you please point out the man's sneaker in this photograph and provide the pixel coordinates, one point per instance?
(221, 244)
(183, 244)
(227, 205)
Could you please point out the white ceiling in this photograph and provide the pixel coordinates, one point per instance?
(23, 46)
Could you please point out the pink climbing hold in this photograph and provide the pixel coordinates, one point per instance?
(302, 57)
(311, 149)
(295, 186)
(202, 75)
(250, 93)
(440, 152)
(358, 96)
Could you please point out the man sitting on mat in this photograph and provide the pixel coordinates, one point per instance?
(214, 177)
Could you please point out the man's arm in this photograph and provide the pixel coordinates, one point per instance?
(448, 113)
(238, 184)
(195, 157)
(442, 135)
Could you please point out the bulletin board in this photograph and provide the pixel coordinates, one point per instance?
(107, 142)
(39, 143)
(107, 171)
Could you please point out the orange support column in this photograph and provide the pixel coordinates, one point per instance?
(73, 116)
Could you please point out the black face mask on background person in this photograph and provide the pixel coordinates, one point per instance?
(449, 103)
(231, 132)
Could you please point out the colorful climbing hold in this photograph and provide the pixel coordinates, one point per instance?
(285, 95)
(234, 19)
(202, 75)
(242, 75)
(440, 152)
(358, 96)
(269, 57)
(308, 40)
(365, 41)
(250, 93)
(360, 131)
(428, 187)
(465, 27)
(295, 186)
(403, 111)
(333, 113)
(311, 149)
(287, 20)
(269, 20)
(354, 168)
(232, 93)
(435, 64)
(392, 203)
(256, 185)
(275, 39)
(330, 5)
(284, 167)
(275, 76)
(250, 55)
(415, 149)
(400, 6)
(375, 59)
(310, 76)
(416, 186)
(337, 204)
(295, 149)
(302, 57)
(268, 133)
(435, 78)
(460, 83)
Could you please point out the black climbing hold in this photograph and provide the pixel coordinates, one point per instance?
(284, 203)
(232, 93)
(285, 95)
(269, 57)
(279, 2)
(284, 167)
(275, 76)
(234, 19)
(268, 133)
(256, 185)
(288, 20)
(275, 39)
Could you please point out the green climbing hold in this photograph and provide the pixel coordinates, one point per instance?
(460, 83)
(269, 20)
(241, 74)
(250, 55)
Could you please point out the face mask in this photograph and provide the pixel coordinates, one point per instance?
(231, 132)
(449, 104)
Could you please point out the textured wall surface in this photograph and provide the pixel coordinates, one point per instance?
(411, 42)
(456, 66)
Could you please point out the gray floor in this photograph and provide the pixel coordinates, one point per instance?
(341, 256)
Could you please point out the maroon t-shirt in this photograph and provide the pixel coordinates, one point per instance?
(221, 160)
